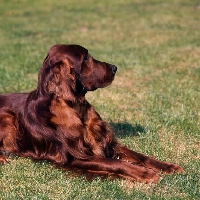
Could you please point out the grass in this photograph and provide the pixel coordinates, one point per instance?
(153, 104)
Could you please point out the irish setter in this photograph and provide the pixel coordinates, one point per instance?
(56, 123)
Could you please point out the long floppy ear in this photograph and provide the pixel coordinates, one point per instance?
(58, 79)
(62, 81)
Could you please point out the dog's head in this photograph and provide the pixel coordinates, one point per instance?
(70, 69)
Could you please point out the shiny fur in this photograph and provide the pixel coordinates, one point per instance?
(56, 123)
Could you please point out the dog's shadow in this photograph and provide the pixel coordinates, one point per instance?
(123, 130)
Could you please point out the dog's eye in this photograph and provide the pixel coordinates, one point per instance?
(86, 58)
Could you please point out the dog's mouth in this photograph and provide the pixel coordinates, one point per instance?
(100, 85)
(93, 88)
(97, 80)
(89, 88)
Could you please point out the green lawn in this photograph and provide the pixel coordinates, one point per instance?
(153, 105)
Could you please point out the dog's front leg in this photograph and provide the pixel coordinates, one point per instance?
(126, 154)
(118, 167)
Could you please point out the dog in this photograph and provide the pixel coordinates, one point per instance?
(56, 123)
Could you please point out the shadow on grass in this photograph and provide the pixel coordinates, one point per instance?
(123, 130)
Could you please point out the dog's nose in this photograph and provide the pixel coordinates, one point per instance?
(114, 69)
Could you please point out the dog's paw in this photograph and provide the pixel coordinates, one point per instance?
(170, 168)
(148, 176)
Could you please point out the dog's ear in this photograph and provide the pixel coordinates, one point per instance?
(57, 78)
(62, 81)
